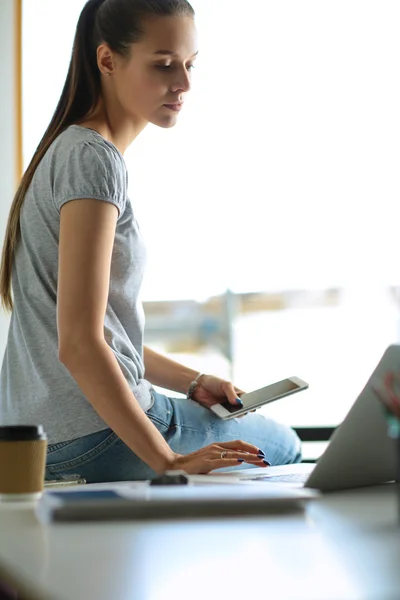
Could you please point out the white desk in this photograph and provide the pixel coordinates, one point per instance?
(344, 546)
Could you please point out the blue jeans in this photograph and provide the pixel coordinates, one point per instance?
(185, 425)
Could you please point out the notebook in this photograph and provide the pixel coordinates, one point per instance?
(140, 500)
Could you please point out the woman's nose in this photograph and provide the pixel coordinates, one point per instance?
(182, 83)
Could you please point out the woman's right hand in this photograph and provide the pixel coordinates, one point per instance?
(217, 456)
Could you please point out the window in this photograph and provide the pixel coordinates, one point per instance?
(280, 181)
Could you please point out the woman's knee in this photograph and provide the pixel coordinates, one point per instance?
(292, 445)
(296, 448)
(281, 444)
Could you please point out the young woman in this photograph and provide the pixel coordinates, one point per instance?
(75, 360)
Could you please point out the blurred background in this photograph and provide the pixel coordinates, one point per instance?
(271, 211)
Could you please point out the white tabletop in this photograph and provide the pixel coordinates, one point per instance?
(344, 546)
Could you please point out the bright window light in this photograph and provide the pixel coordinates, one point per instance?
(281, 174)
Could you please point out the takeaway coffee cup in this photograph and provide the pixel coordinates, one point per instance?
(22, 462)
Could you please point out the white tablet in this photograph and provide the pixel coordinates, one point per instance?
(257, 398)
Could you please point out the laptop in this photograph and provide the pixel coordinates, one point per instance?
(360, 451)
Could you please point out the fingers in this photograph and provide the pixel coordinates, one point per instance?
(233, 458)
(240, 445)
(240, 457)
(244, 414)
(238, 391)
(218, 456)
(231, 394)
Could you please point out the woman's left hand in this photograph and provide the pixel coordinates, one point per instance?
(211, 390)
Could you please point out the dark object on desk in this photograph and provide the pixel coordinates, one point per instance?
(170, 479)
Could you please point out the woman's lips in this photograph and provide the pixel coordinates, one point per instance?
(174, 107)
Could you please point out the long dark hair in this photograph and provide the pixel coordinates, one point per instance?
(118, 23)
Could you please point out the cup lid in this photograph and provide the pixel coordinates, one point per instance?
(21, 432)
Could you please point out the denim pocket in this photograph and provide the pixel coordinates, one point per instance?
(58, 446)
(160, 413)
(81, 451)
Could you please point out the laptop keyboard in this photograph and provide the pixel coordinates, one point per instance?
(289, 478)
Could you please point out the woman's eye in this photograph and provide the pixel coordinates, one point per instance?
(168, 67)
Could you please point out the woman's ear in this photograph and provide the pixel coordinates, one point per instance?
(105, 59)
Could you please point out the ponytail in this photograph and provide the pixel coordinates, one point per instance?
(116, 23)
(80, 94)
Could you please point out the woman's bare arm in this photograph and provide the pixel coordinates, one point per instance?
(167, 373)
(87, 231)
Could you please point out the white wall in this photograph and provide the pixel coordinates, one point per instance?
(7, 133)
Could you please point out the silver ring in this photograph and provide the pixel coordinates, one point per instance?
(224, 454)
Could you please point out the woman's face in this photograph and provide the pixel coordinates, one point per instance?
(152, 85)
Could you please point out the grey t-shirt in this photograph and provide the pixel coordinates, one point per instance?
(36, 388)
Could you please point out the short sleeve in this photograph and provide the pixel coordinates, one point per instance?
(90, 169)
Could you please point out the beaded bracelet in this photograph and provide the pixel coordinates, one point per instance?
(193, 386)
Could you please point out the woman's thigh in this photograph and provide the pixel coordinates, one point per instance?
(185, 425)
(194, 426)
(103, 456)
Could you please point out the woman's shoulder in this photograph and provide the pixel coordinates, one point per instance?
(83, 164)
(76, 137)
